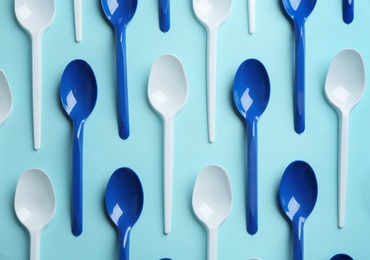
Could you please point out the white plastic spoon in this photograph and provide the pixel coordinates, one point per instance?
(35, 16)
(252, 16)
(34, 205)
(78, 19)
(167, 92)
(212, 13)
(344, 87)
(6, 100)
(212, 202)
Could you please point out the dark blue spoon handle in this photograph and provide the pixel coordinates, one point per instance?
(124, 244)
(297, 239)
(348, 11)
(78, 130)
(164, 15)
(122, 92)
(252, 198)
(299, 91)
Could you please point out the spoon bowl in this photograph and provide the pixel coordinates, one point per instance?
(167, 92)
(34, 205)
(298, 195)
(124, 201)
(6, 100)
(78, 94)
(344, 87)
(212, 202)
(119, 13)
(35, 16)
(251, 93)
(299, 12)
(212, 14)
(341, 257)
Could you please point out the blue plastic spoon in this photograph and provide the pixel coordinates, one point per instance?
(124, 199)
(120, 13)
(298, 195)
(341, 257)
(251, 94)
(348, 11)
(164, 15)
(78, 94)
(299, 11)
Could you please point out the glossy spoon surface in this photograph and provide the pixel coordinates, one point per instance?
(299, 12)
(212, 14)
(119, 13)
(78, 94)
(124, 200)
(167, 92)
(341, 257)
(298, 195)
(35, 16)
(164, 15)
(6, 99)
(348, 11)
(34, 205)
(252, 16)
(344, 87)
(251, 93)
(212, 202)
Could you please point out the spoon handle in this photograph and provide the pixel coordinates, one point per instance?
(78, 19)
(212, 243)
(122, 92)
(124, 244)
(348, 11)
(168, 172)
(164, 15)
(211, 91)
(36, 89)
(297, 239)
(252, 147)
(78, 130)
(343, 166)
(299, 100)
(35, 245)
(251, 15)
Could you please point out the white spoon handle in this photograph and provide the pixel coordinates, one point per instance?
(36, 89)
(251, 15)
(78, 19)
(168, 172)
(343, 166)
(211, 91)
(35, 245)
(212, 243)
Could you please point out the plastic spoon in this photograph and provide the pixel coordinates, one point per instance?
(167, 92)
(78, 94)
(212, 14)
(252, 16)
(164, 15)
(78, 19)
(124, 201)
(298, 195)
(299, 11)
(251, 94)
(212, 202)
(35, 16)
(6, 100)
(341, 257)
(120, 13)
(344, 86)
(34, 205)
(348, 11)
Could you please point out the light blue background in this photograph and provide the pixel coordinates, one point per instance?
(104, 151)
